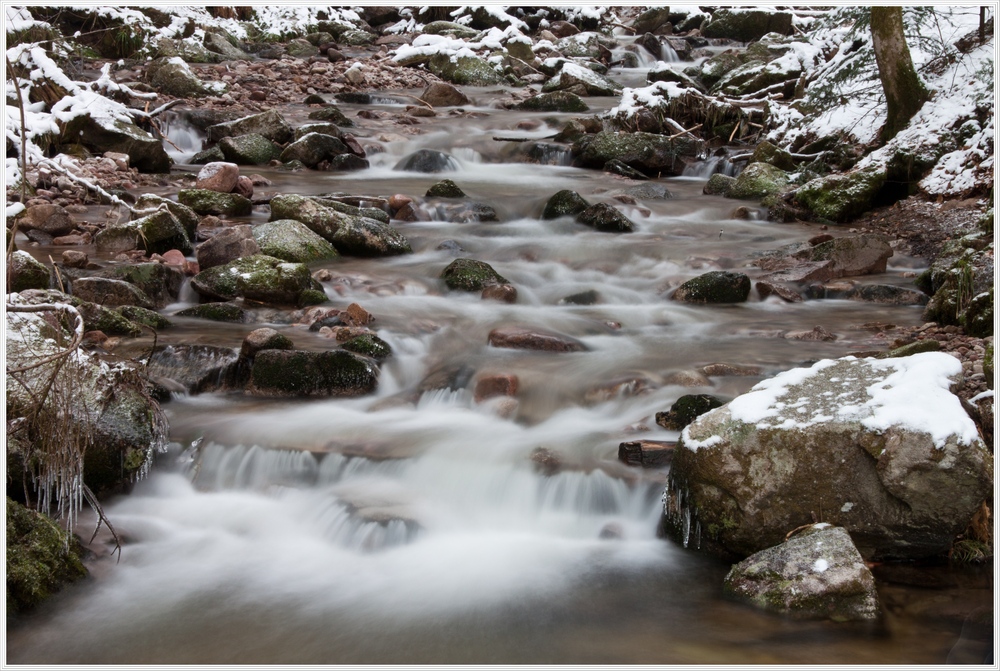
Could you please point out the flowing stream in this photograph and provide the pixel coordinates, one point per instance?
(409, 527)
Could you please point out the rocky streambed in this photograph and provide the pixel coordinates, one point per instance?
(426, 359)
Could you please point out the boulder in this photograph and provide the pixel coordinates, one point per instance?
(110, 411)
(347, 162)
(577, 77)
(26, 272)
(864, 254)
(187, 217)
(48, 218)
(300, 48)
(818, 573)
(249, 149)
(324, 128)
(556, 101)
(747, 25)
(758, 180)
(261, 339)
(606, 219)
(204, 202)
(314, 148)
(173, 77)
(464, 70)
(331, 114)
(441, 94)
(427, 160)
(445, 189)
(449, 28)
(647, 152)
(564, 203)
(259, 278)
(218, 176)
(231, 243)
(719, 185)
(41, 557)
(145, 152)
(197, 368)
(369, 345)
(269, 124)
(155, 233)
(284, 373)
(513, 337)
(110, 293)
(219, 42)
(292, 240)
(361, 236)
(717, 286)
(324, 219)
(651, 19)
(159, 282)
(470, 275)
(842, 197)
(144, 317)
(880, 447)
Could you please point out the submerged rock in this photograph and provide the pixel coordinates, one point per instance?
(556, 101)
(427, 160)
(606, 219)
(818, 573)
(514, 337)
(881, 447)
(564, 203)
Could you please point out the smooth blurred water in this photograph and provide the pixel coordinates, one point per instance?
(410, 527)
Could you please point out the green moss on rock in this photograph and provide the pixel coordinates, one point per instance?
(555, 101)
(564, 203)
(144, 317)
(217, 312)
(25, 272)
(299, 373)
(445, 189)
(719, 185)
(842, 197)
(292, 240)
(369, 345)
(258, 277)
(204, 201)
(470, 275)
(758, 180)
(41, 558)
(717, 286)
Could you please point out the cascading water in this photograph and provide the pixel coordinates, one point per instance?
(419, 525)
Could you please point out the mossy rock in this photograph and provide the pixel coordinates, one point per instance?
(564, 203)
(312, 297)
(160, 282)
(331, 114)
(204, 201)
(313, 148)
(464, 70)
(210, 155)
(155, 233)
(647, 152)
(369, 345)
(918, 347)
(269, 124)
(217, 312)
(840, 198)
(471, 275)
(360, 236)
(41, 558)
(26, 272)
(258, 277)
(144, 317)
(719, 185)
(773, 155)
(747, 25)
(283, 373)
(445, 189)
(758, 180)
(449, 28)
(977, 320)
(556, 101)
(249, 149)
(686, 409)
(185, 215)
(606, 219)
(322, 218)
(292, 240)
(717, 286)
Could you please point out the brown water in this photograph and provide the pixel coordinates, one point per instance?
(275, 542)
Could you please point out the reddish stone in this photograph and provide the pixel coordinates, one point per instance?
(355, 315)
(505, 293)
(218, 176)
(646, 453)
(521, 338)
(172, 257)
(72, 258)
(244, 187)
(406, 213)
(497, 384)
(75, 239)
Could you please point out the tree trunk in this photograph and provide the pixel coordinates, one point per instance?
(904, 92)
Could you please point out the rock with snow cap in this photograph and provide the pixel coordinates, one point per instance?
(882, 448)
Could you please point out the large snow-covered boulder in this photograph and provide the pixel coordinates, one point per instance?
(880, 447)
